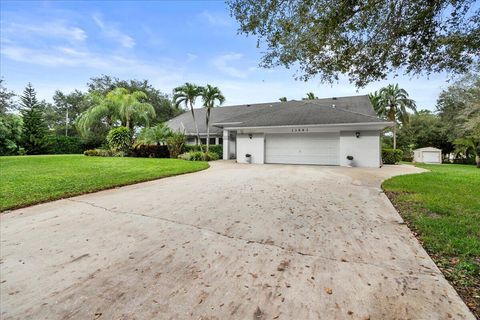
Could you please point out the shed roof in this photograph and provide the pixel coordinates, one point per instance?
(428, 149)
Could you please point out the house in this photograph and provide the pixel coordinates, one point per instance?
(319, 132)
(427, 155)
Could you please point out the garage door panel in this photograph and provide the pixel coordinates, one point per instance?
(430, 157)
(302, 148)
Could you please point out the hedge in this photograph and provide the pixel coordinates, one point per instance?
(213, 148)
(198, 156)
(63, 145)
(150, 151)
(391, 156)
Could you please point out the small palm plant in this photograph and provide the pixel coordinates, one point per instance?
(210, 96)
(155, 135)
(187, 94)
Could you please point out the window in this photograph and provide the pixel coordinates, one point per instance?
(220, 140)
(203, 140)
(212, 141)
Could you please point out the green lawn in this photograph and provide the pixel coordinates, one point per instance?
(443, 207)
(26, 180)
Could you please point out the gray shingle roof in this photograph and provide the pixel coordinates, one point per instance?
(355, 109)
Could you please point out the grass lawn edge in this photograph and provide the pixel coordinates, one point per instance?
(97, 189)
(441, 261)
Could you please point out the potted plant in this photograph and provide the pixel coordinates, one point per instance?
(248, 158)
(350, 161)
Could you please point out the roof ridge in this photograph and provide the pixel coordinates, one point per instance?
(350, 111)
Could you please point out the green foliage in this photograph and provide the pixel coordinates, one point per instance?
(56, 144)
(424, 129)
(103, 153)
(367, 40)
(150, 151)
(120, 139)
(27, 180)
(10, 135)
(198, 156)
(216, 148)
(391, 103)
(164, 108)
(34, 126)
(459, 109)
(282, 99)
(153, 135)
(176, 144)
(468, 146)
(117, 106)
(310, 96)
(391, 156)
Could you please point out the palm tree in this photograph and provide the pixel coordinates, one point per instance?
(310, 96)
(283, 99)
(210, 95)
(117, 105)
(468, 146)
(392, 103)
(187, 94)
(130, 107)
(156, 135)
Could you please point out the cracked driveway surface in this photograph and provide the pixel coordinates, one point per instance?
(231, 242)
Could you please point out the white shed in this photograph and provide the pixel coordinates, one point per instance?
(427, 155)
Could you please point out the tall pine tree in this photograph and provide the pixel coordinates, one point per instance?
(34, 126)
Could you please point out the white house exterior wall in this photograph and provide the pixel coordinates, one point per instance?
(253, 144)
(365, 149)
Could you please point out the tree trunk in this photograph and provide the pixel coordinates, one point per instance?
(208, 129)
(66, 124)
(477, 160)
(395, 135)
(199, 142)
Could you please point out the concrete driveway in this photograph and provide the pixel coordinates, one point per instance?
(232, 242)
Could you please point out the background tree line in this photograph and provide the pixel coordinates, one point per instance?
(454, 127)
(30, 126)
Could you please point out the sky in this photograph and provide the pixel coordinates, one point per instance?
(62, 44)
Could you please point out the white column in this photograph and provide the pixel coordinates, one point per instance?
(225, 144)
(216, 140)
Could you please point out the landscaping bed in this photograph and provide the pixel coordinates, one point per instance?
(27, 180)
(442, 207)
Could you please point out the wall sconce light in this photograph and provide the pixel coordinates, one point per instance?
(250, 135)
(357, 134)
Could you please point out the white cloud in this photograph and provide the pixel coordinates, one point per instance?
(215, 18)
(55, 29)
(111, 31)
(223, 64)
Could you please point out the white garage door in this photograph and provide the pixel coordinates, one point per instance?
(302, 148)
(432, 157)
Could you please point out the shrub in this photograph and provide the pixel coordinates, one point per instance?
(198, 156)
(119, 139)
(103, 153)
(391, 156)
(214, 148)
(176, 144)
(150, 151)
(63, 145)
